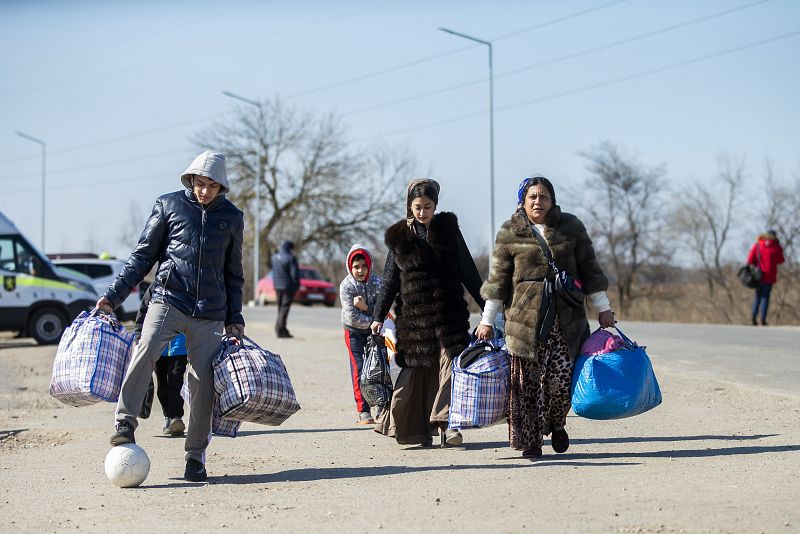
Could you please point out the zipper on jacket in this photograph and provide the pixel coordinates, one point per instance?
(200, 261)
(166, 280)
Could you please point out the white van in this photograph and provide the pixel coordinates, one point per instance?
(102, 273)
(37, 298)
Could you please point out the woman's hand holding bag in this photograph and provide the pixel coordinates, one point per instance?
(606, 319)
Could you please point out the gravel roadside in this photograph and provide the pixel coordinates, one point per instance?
(714, 457)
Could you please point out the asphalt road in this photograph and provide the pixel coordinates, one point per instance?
(766, 358)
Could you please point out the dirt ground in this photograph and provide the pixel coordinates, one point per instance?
(714, 457)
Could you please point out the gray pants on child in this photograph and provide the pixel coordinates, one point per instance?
(203, 337)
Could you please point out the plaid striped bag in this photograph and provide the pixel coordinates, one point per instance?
(228, 428)
(91, 360)
(480, 386)
(252, 385)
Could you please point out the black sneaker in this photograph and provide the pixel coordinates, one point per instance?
(123, 434)
(195, 471)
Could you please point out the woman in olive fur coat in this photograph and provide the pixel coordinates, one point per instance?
(427, 268)
(541, 370)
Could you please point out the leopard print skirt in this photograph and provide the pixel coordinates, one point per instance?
(540, 393)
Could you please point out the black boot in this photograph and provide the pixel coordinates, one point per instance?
(560, 440)
(532, 452)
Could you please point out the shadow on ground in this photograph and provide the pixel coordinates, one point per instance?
(682, 453)
(5, 434)
(592, 459)
(312, 474)
(301, 431)
(477, 446)
(337, 473)
(17, 344)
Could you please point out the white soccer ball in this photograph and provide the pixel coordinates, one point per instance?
(127, 465)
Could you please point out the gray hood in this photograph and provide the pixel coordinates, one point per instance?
(208, 164)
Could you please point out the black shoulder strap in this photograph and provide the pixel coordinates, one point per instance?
(545, 248)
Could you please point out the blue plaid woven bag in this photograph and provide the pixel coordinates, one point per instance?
(91, 360)
(252, 384)
(480, 385)
(228, 428)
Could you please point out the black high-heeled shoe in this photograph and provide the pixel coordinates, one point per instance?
(451, 437)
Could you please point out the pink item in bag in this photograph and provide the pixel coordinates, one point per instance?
(601, 342)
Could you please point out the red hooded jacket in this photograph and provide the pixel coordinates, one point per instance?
(767, 254)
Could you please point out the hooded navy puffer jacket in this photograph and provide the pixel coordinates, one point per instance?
(200, 257)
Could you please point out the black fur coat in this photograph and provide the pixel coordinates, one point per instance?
(429, 275)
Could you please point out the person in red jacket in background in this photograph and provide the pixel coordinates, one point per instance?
(766, 254)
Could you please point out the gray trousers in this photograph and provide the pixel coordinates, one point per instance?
(203, 337)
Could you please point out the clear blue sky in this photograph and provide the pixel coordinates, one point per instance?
(89, 77)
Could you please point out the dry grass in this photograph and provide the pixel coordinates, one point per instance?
(692, 302)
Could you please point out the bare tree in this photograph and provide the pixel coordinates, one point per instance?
(780, 213)
(624, 207)
(132, 228)
(316, 188)
(706, 217)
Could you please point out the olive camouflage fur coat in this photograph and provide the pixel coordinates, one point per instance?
(519, 267)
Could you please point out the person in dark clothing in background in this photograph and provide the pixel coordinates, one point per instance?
(170, 369)
(286, 279)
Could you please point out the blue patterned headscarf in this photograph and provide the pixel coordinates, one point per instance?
(526, 183)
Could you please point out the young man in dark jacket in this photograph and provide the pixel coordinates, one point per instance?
(196, 237)
(286, 280)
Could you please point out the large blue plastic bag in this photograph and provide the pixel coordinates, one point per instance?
(616, 384)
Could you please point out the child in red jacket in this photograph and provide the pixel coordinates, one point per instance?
(766, 254)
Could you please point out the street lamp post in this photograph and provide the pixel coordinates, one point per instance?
(257, 234)
(491, 127)
(44, 174)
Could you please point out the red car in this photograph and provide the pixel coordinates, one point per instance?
(313, 289)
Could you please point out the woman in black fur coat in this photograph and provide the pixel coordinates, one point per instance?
(427, 268)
